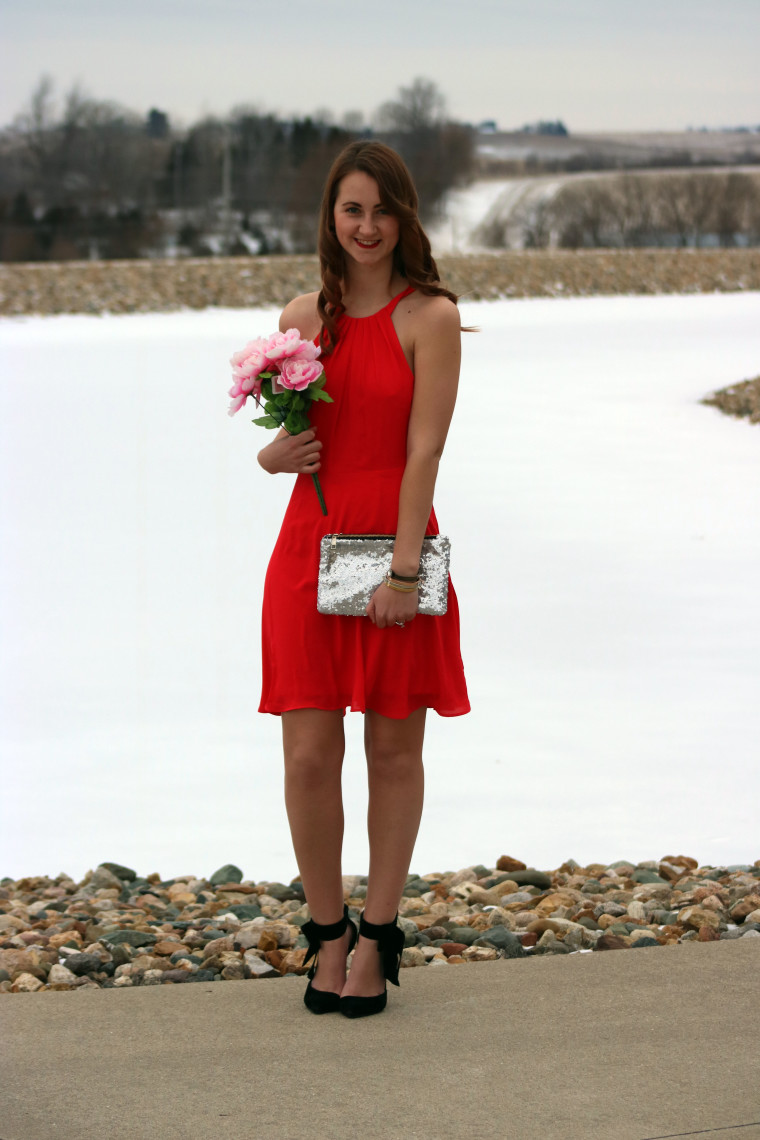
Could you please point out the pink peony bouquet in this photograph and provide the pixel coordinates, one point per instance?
(284, 377)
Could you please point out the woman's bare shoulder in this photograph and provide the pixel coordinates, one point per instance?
(301, 313)
(434, 314)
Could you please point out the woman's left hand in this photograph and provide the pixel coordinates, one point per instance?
(389, 607)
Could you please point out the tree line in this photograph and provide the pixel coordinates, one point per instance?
(635, 210)
(94, 179)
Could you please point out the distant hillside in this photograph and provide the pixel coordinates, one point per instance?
(512, 152)
(692, 205)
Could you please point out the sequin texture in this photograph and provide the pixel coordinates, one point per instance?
(352, 566)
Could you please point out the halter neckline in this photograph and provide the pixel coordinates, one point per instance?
(391, 305)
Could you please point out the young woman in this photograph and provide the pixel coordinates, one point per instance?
(390, 337)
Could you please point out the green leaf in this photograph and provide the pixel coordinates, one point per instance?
(266, 422)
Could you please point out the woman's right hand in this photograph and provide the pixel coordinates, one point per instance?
(293, 454)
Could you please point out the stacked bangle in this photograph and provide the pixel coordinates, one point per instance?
(402, 586)
(400, 577)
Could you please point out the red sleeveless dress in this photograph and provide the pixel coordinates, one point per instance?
(313, 660)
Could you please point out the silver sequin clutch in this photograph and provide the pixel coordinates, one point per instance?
(352, 566)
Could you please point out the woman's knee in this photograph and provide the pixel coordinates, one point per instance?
(313, 746)
(311, 766)
(390, 763)
(394, 747)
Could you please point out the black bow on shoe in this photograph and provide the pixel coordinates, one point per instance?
(324, 1001)
(390, 944)
(316, 933)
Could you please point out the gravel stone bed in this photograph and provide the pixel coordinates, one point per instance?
(116, 929)
(142, 286)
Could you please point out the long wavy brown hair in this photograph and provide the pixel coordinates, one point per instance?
(412, 258)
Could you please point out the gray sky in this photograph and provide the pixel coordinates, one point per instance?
(596, 64)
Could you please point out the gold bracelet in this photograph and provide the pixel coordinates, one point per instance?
(401, 589)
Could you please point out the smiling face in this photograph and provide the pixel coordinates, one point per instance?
(364, 228)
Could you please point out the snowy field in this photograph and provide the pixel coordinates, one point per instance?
(606, 551)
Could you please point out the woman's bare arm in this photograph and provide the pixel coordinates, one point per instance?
(437, 353)
(295, 454)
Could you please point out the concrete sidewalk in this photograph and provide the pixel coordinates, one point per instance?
(627, 1044)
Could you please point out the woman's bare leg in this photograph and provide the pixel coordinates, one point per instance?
(314, 744)
(396, 787)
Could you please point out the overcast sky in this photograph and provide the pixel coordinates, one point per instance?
(596, 64)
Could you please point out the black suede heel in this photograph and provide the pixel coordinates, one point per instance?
(324, 1001)
(390, 944)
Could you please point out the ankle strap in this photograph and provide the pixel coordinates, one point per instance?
(372, 930)
(327, 932)
(315, 933)
(390, 944)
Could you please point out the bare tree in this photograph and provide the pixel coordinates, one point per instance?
(585, 214)
(34, 131)
(686, 203)
(631, 208)
(734, 207)
(753, 216)
(353, 122)
(439, 153)
(534, 219)
(76, 172)
(87, 173)
(418, 108)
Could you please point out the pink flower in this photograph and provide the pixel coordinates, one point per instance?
(286, 345)
(307, 350)
(281, 352)
(252, 356)
(236, 403)
(248, 363)
(245, 386)
(297, 373)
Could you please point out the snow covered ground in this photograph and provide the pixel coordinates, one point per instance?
(606, 551)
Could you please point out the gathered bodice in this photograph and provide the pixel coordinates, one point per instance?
(372, 385)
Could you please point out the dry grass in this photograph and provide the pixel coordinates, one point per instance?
(250, 282)
(740, 400)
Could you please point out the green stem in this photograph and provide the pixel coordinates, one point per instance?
(320, 496)
(304, 426)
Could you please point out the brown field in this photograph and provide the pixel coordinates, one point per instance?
(243, 282)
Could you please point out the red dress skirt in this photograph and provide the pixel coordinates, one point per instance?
(313, 660)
